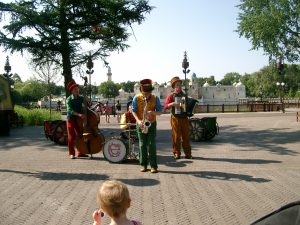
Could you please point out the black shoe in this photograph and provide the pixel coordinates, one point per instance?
(82, 155)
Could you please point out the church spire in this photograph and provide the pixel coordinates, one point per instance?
(109, 74)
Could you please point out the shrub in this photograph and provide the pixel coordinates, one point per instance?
(36, 116)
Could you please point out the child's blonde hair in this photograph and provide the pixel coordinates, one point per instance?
(113, 197)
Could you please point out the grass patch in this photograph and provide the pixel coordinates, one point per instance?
(36, 117)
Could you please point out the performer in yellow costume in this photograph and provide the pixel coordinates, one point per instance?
(145, 108)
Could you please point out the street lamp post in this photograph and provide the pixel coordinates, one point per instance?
(8, 75)
(90, 71)
(280, 67)
(185, 66)
(280, 85)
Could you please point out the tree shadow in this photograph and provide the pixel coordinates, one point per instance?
(60, 176)
(271, 140)
(241, 161)
(219, 176)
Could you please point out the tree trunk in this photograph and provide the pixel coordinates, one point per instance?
(65, 47)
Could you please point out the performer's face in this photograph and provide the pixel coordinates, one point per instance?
(177, 87)
(75, 91)
(130, 108)
(147, 94)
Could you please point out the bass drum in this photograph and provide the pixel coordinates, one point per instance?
(115, 150)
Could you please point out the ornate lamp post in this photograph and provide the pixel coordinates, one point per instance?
(90, 71)
(280, 68)
(185, 66)
(8, 75)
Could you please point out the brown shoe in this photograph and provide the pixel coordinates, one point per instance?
(176, 156)
(154, 170)
(188, 157)
(143, 169)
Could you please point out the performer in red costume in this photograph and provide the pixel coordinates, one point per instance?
(74, 109)
(179, 120)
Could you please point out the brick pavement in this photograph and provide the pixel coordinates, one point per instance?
(250, 169)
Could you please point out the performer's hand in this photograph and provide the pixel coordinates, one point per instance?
(173, 104)
(150, 115)
(97, 214)
(140, 122)
(176, 105)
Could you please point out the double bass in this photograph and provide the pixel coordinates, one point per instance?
(91, 141)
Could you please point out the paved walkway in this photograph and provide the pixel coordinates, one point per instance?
(250, 169)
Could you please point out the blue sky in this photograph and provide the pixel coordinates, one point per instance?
(203, 28)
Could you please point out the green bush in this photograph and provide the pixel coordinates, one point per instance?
(36, 116)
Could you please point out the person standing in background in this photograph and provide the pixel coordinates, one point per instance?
(118, 110)
(107, 112)
(99, 110)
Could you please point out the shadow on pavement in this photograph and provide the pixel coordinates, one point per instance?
(82, 176)
(219, 176)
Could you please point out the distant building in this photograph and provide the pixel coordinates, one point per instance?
(109, 74)
(213, 95)
(221, 94)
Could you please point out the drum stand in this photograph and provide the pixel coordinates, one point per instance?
(132, 154)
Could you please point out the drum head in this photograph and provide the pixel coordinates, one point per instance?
(114, 150)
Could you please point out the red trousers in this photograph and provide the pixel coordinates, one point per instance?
(73, 132)
(180, 135)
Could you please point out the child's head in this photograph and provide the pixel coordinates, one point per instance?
(113, 197)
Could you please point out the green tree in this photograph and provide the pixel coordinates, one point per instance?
(63, 31)
(231, 78)
(32, 90)
(128, 86)
(109, 89)
(210, 80)
(271, 25)
(16, 78)
(291, 79)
